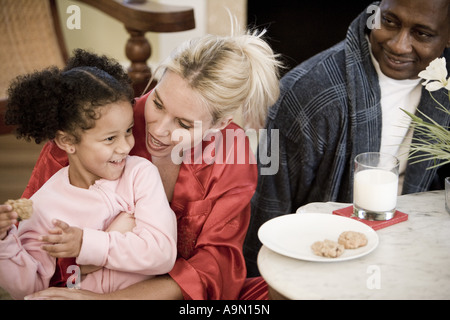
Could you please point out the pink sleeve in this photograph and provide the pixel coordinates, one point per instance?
(150, 248)
(24, 267)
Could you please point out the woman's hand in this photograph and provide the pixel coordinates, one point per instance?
(54, 293)
(7, 219)
(158, 288)
(64, 240)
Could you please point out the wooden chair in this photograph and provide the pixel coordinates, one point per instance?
(139, 17)
(31, 37)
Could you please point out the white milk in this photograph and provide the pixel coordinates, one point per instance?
(375, 190)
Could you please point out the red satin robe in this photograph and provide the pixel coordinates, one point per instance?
(212, 205)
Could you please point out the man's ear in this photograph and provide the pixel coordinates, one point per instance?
(65, 141)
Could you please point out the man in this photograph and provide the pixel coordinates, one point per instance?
(345, 101)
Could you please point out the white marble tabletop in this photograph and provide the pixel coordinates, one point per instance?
(411, 261)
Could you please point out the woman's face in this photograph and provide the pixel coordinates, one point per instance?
(174, 116)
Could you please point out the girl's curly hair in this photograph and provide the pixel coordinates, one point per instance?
(43, 102)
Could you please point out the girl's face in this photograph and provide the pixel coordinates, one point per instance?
(173, 110)
(102, 150)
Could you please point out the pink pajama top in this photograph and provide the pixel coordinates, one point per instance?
(150, 248)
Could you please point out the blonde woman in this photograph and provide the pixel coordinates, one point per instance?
(184, 126)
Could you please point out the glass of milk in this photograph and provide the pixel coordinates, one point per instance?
(375, 185)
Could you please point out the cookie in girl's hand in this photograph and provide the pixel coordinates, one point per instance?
(23, 207)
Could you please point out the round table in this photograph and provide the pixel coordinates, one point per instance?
(411, 261)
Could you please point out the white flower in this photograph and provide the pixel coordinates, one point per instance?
(436, 75)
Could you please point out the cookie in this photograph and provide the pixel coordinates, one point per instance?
(352, 239)
(23, 207)
(327, 248)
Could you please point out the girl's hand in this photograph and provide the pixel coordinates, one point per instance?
(64, 240)
(124, 222)
(7, 219)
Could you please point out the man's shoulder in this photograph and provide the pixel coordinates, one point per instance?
(315, 68)
(312, 93)
(322, 77)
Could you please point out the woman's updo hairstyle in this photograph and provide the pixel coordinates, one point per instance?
(230, 72)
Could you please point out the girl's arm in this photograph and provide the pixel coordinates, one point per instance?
(158, 288)
(124, 222)
(24, 266)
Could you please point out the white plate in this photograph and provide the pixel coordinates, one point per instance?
(293, 234)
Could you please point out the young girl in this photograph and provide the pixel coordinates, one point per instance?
(86, 110)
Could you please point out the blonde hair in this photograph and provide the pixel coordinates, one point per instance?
(230, 72)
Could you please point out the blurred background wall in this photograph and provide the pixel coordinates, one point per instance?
(103, 34)
(300, 29)
(296, 29)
